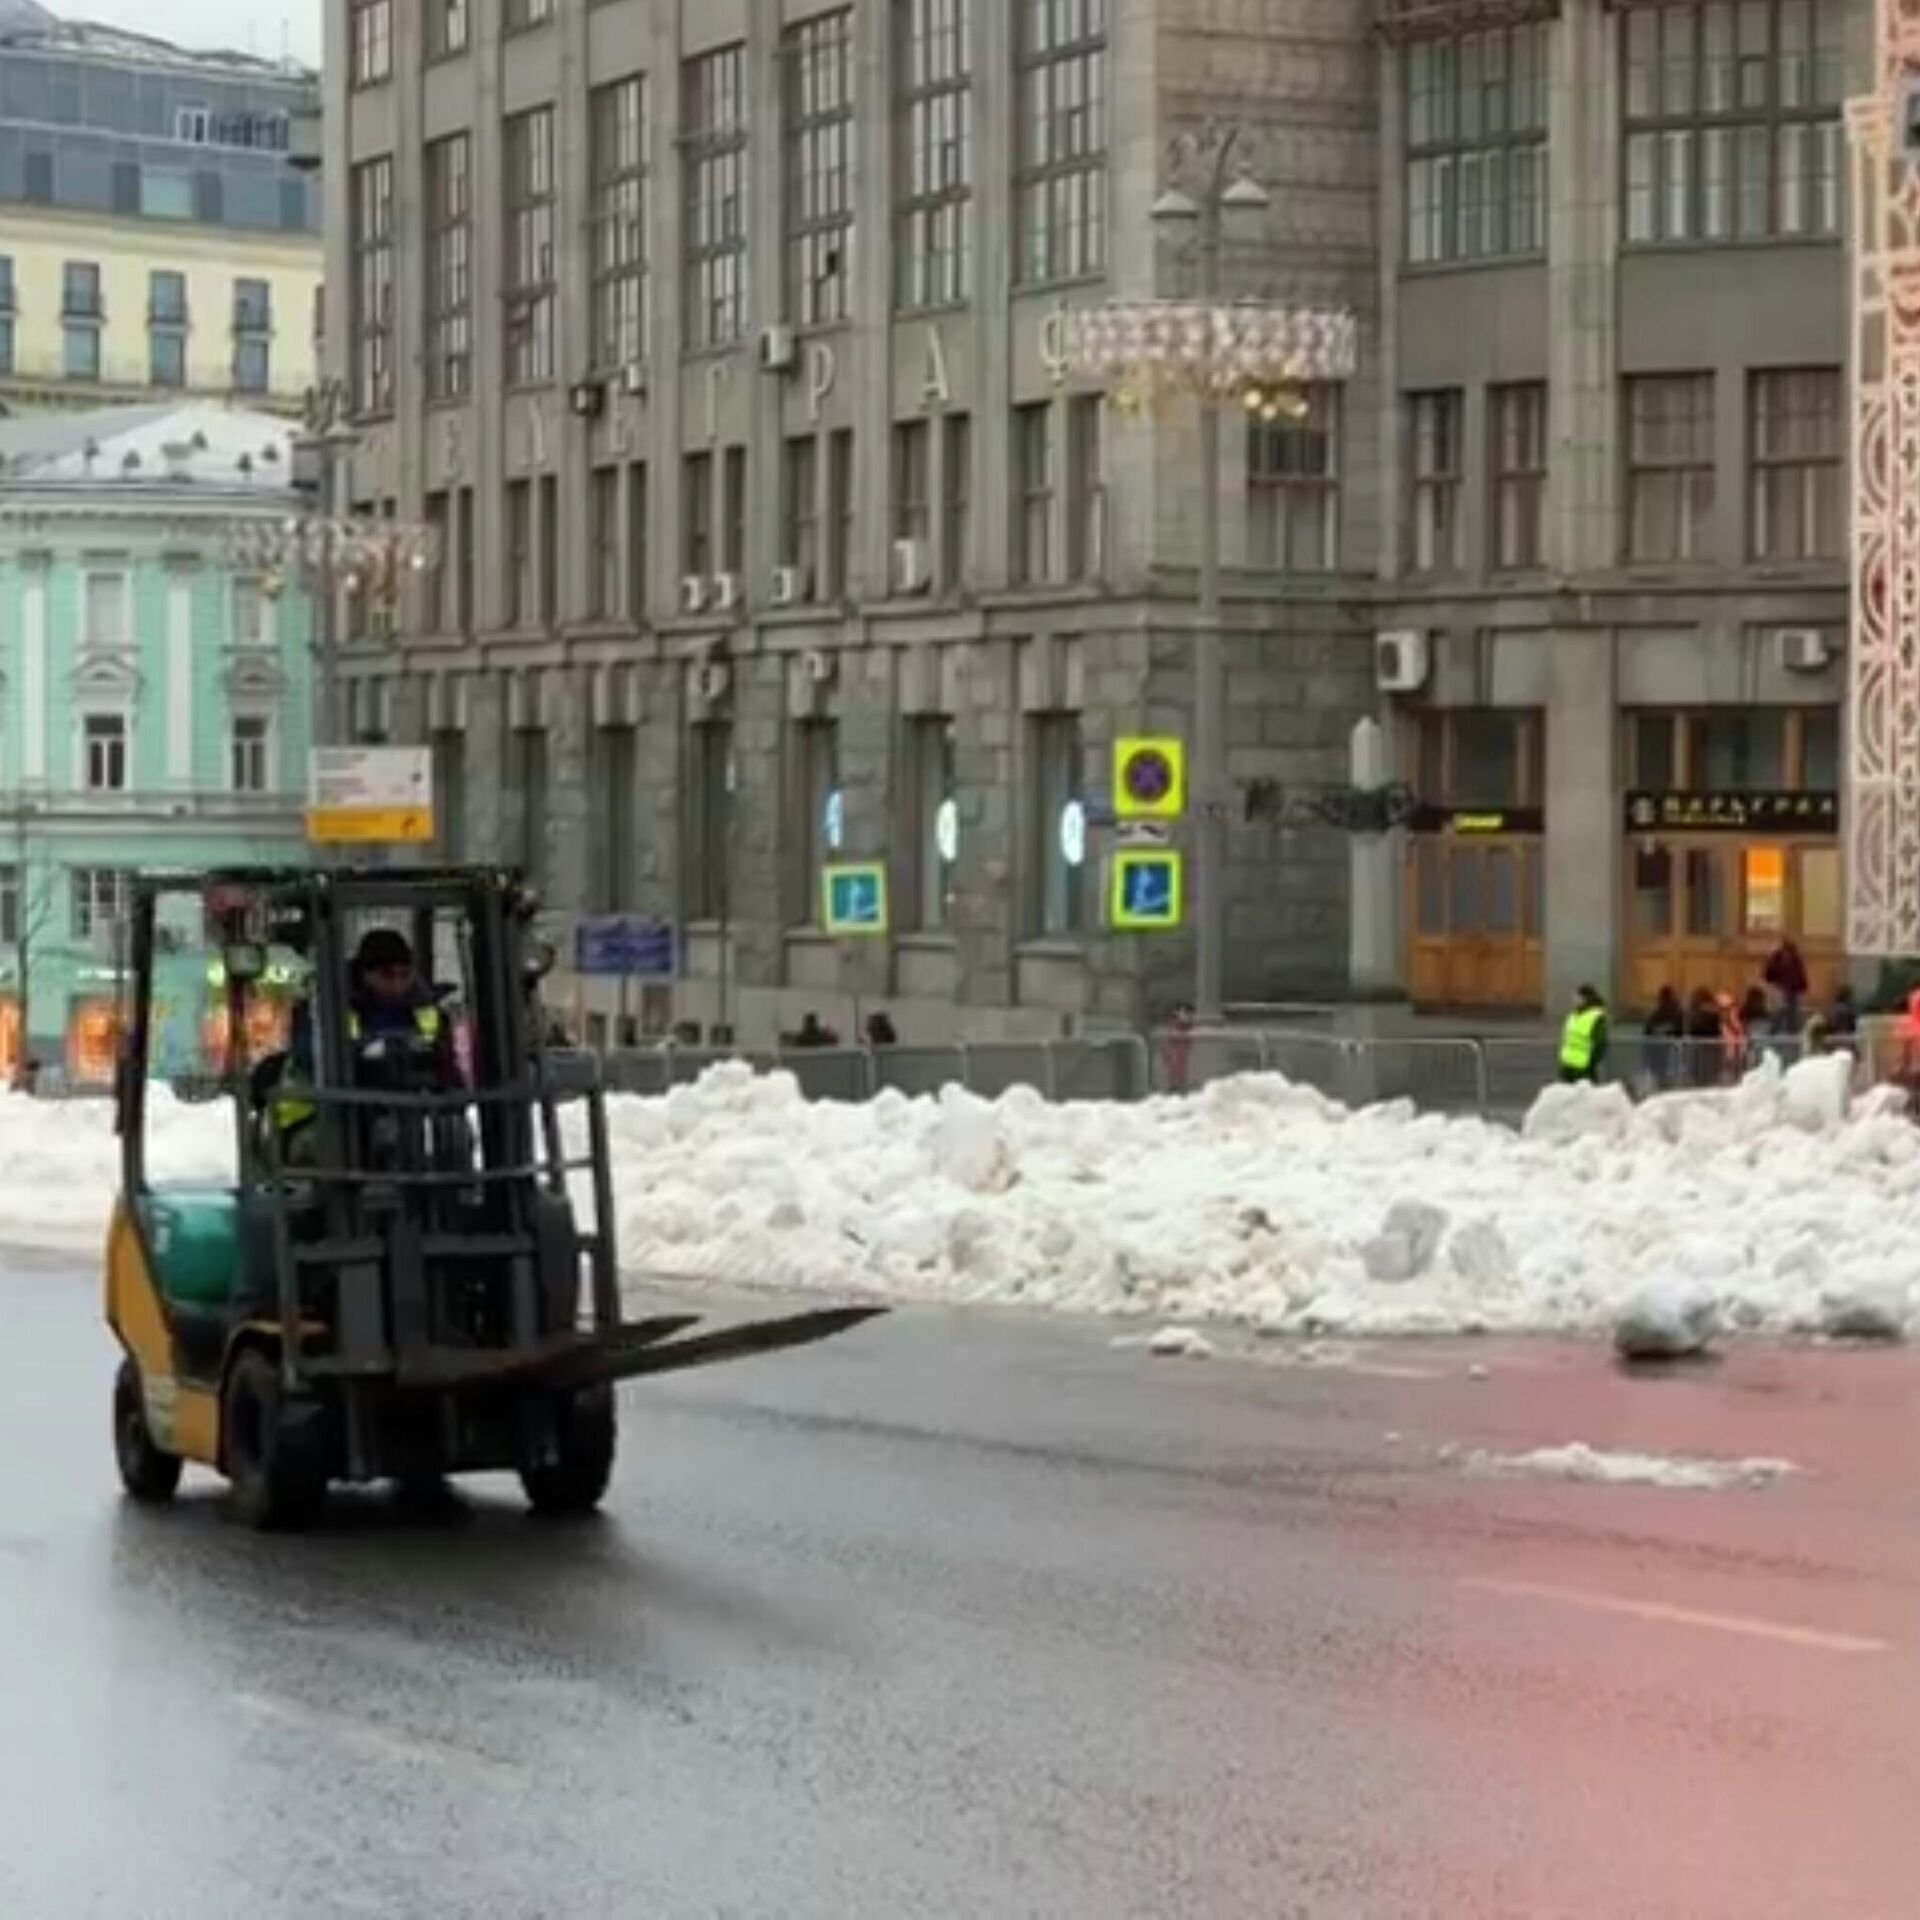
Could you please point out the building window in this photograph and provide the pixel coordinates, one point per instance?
(639, 546)
(1797, 446)
(371, 321)
(733, 510)
(819, 174)
(519, 553)
(252, 335)
(369, 44)
(1293, 485)
(613, 840)
(1437, 423)
(1057, 769)
(247, 613)
(103, 738)
(9, 312)
(619, 235)
(1670, 491)
(529, 265)
(840, 510)
(800, 502)
(817, 837)
(1517, 430)
(956, 498)
(106, 613)
(528, 750)
(447, 28)
(912, 477)
(603, 507)
(548, 494)
(709, 795)
(450, 793)
(1489, 757)
(522, 14)
(167, 328)
(714, 116)
(696, 514)
(932, 762)
(465, 559)
(934, 244)
(247, 754)
(1062, 165)
(1033, 494)
(1477, 144)
(9, 906)
(1086, 487)
(449, 275)
(102, 899)
(438, 512)
(81, 316)
(1733, 128)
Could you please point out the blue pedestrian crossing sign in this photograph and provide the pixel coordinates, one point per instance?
(853, 898)
(1148, 891)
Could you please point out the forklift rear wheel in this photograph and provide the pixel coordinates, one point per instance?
(575, 1481)
(276, 1485)
(149, 1475)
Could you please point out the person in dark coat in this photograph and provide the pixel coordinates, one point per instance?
(1662, 1038)
(1786, 974)
(1843, 1017)
(880, 1029)
(1704, 1038)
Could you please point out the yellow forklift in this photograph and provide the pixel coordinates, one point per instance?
(363, 1257)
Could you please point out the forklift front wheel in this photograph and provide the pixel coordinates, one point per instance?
(277, 1484)
(149, 1475)
(586, 1430)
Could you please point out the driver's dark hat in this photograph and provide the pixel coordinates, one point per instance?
(383, 950)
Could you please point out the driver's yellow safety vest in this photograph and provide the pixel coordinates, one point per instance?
(292, 1108)
(1578, 1036)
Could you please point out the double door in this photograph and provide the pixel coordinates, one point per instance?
(1477, 921)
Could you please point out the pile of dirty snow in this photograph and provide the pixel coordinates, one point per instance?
(1778, 1205)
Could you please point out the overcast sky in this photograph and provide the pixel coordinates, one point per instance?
(268, 27)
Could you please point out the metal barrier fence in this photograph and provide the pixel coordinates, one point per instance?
(1106, 1068)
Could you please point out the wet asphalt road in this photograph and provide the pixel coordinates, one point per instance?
(979, 1616)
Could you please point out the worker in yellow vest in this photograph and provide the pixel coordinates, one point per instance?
(1583, 1040)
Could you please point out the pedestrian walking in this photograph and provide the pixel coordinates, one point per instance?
(1786, 973)
(1706, 1038)
(1583, 1039)
(1662, 1040)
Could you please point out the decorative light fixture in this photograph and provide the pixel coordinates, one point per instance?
(365, 556)
(1240, 353)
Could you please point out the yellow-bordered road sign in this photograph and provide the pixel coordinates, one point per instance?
(1147, 890)
(853, 898)
(1149, 778)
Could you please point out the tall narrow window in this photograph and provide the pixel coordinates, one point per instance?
(820, 167)
(1797, 447)
(708, 822)
(934, 242)
(956, 502)
(449, 268)
(465, 559)
(104, 753)
(815, 822)
(733, 510)
(932, 763)
(447, 28)
(1293, 485)
(370, 323)
(81, 318)
(612, 835)
(252, 335)
(450, 793)
(1062, 139)
(1086, 487)
(912, 479)
(696, 513)
(603, 507)
(9, 312)
(106, 611)
(519, 553)
(369, 41)
(531, 797)
(1033, 493)
(619, 261)
(247, 753)
(530, 208)
(1476, 132)
(1437, 423)
(247, 612)
(434, 598)
(549, 572)
(167, 327)
(1517, 429)
(714, 122)
(840, 510)
(1058, 824)
(522, 14)
(639, 543)
(800, 506)
(1670, 480)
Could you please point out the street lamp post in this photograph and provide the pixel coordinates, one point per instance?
(1248, 355)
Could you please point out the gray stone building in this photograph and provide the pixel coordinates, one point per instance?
(723, 347)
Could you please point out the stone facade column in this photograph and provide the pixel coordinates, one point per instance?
(1583, 825)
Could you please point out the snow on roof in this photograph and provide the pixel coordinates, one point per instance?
(188, 444)
(26, 25)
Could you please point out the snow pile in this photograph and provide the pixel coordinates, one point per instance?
(1593, 1467)
(1667, 1320)
(1775, 1205)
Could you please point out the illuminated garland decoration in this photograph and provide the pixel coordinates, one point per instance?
(1241, 353)
(373, 557)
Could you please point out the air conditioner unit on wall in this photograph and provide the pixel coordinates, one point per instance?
(1401, 660)
(778, 350)
(1804, 649)
(912, 566)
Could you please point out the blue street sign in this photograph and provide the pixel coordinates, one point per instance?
(1147, 893)
(626, 946)
(854, 898)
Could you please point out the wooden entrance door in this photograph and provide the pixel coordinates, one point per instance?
(1476, 921)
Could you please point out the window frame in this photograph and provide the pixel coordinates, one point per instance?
(369, 43)
(934, 154)
(447, 183)
(1276, 485)
(1818, 476)
(371, 287)
(106, 751)
(1519, 426)
(255, 749)
(530, 211)
(821, 142)
(1436, 481)
(716, 136)
(1694, 476)
(1034, 485)
(1062, 134)
(619, 191)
